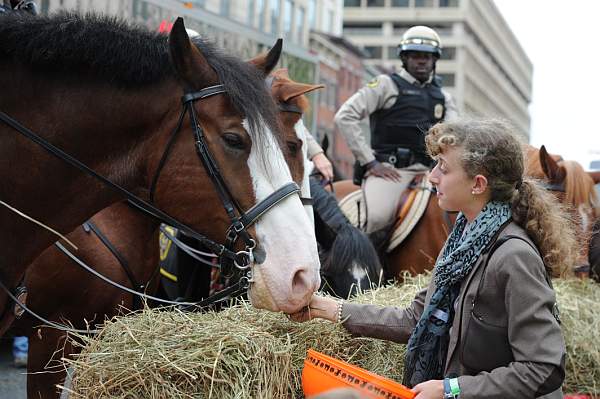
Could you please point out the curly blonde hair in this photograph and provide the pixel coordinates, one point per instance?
(490, 148)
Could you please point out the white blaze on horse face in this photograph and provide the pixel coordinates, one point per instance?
(301, 133)
(358, 272)
(287, 278)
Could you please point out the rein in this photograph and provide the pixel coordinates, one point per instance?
(239, 224)
(233, 291)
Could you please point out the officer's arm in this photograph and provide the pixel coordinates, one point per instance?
(375, 95)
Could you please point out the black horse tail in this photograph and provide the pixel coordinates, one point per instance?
(352, 265)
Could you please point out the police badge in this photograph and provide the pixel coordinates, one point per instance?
(438, 111)
(164, 242)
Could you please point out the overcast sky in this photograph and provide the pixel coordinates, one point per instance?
(561, 39)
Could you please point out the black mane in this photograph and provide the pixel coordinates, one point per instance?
(108, 49)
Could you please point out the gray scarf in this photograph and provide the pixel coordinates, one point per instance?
(428, 345)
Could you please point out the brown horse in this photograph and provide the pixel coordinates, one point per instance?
(134, 239)
(574, 188)
(109, 95)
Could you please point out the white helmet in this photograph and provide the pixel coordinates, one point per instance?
(421, 38)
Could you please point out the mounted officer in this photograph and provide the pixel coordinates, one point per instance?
(22, 5)
(401, 108)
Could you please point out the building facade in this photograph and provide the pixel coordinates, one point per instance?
(343, 73)
(244, 28)
(483, 65)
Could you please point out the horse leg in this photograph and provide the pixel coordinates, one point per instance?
(46, 349)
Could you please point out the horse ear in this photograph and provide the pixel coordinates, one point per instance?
(189, 63)
(266, 62)
(296, 89)
(551, 168)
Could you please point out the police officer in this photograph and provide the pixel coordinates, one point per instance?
(401, 107)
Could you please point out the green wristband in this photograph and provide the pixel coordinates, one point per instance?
(454, 388)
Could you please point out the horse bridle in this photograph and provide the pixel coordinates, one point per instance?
(240, 220)
(244, 259)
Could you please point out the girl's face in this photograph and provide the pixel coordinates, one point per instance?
(454, 186)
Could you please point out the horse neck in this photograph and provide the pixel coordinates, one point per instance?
(104, 127)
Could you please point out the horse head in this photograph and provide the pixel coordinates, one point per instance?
(573, 187)
(238, 128)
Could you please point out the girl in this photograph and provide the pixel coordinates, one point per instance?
(487, 326)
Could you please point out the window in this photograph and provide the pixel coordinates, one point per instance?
(400, 28)
(251, 12)
(300, 24)
(423, 3)
(447, 79)
(448, 3)
(375, 3)
(260, 11)
(351, 3)
(362, 29)
(332, 96)
(225, 8)
(312, 13)
(448, 53)
(374, 51)
(274, 16)
(330, 21)
(323, 93)
(392, 52)
(287, 18)
(399, 3)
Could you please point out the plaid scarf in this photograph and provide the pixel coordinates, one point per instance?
(428, 345)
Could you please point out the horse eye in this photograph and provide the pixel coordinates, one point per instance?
(234, 140)
(292, 148)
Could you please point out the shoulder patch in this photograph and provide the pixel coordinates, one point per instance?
(373, 83)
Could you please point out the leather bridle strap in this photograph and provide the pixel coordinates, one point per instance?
(165, 155)
(254, 213)
(133, 199)
(230, 291)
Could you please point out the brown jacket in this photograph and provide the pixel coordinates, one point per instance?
(516, 296)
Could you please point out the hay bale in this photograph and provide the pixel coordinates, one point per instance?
(244, 353)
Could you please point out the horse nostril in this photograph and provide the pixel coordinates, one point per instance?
(300, 282)
(259, 254)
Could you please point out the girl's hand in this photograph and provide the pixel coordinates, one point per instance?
(432, 389)
(318, 307)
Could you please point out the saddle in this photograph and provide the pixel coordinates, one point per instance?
(410, 210)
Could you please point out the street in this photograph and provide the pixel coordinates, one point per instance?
(12, 380)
